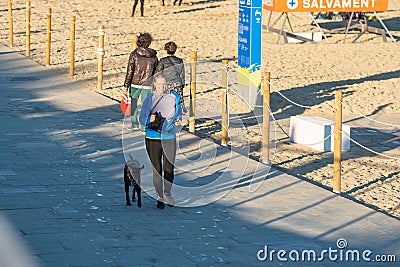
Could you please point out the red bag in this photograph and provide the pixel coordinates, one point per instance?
(125, 105)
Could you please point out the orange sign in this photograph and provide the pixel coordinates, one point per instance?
(325, 5)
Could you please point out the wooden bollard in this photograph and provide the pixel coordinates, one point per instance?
(48, 37)
(224, 99)
(100, 53)
(266, 109)
(72, 48)
(134, 42)
(28, 28)
(337, 146)
(193, 60)
(10, 22)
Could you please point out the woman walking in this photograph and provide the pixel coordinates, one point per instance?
(161, 140)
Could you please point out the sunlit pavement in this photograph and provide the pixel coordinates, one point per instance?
(62, 201)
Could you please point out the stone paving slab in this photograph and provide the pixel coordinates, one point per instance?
(62, 200)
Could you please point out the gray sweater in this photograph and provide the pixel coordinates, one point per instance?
(173, 70)
(166, 106)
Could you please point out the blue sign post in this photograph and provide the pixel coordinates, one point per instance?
(249, 49)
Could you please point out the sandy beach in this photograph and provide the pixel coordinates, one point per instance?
(367, 71)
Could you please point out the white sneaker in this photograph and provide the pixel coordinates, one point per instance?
(133, 127)
(170, 200)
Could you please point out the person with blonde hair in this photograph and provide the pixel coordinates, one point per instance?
(163, 105)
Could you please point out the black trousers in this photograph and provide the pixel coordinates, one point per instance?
(162, 157)
(141, 7)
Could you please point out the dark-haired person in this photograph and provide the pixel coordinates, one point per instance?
(141, 67)
(173, 70)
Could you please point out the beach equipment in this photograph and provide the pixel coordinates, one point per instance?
(285, 7)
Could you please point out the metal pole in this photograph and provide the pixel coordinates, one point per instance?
(384, 26)
(348, 26)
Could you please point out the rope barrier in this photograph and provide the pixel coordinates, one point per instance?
(230, 81)
(101, 51)
(364, 116)
(287, 99)
(293, 102)
(280, 127)
(326, 138)
(370, 150)
(283, 131)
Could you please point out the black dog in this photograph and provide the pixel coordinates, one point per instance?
(132, 178)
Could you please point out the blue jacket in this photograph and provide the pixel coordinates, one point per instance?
(169, 131)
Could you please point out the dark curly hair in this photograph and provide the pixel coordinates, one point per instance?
(144, 40)
(170, 47)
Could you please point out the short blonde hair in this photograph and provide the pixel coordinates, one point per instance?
(156, 77)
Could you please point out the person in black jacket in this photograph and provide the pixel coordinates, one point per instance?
(141, 67)
(173, 69)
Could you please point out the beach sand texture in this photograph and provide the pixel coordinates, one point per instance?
(368, 73)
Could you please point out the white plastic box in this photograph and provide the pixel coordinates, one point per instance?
(313, 36)
(312, 130)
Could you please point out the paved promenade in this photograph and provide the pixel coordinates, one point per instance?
(62, 202)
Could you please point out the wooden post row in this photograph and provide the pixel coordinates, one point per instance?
(192, 108)
(100, 53)
(224, 99)
(134, 42)
(48, 37)
(72, 48)
(266, 109)
(10, 22)
(28, 28)
(337, 146)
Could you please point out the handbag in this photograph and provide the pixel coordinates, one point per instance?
(156, 125)
(125, 105)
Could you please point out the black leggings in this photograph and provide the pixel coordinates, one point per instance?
(162, 156)
(141, 7)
